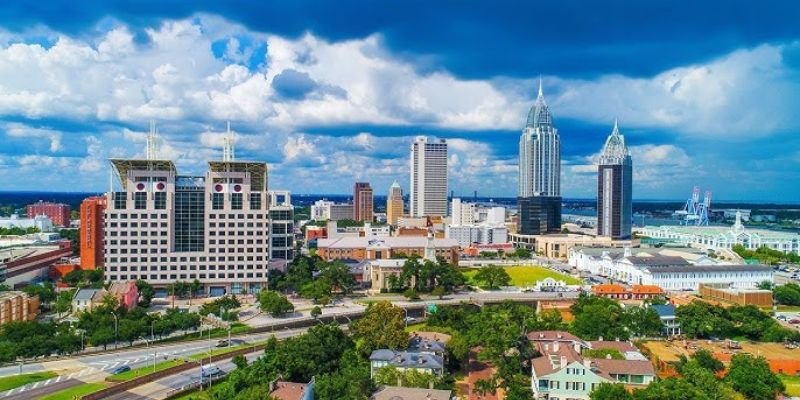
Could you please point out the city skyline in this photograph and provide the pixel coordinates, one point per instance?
(315, 98)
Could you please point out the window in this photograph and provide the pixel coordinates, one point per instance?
(120, 200)
(217, 201)
(160, 202)
(140, 200)
(236, 201)
(189, 226)
(255, 201)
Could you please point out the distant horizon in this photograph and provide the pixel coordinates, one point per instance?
(640, 200)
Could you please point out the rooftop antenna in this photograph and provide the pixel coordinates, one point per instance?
(227, 145)
(152, 138)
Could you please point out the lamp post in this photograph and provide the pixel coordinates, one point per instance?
(153, 339)
(116, 329)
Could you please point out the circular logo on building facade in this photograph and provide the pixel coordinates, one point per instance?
(218, 187)
(140, 186)
(237, 188)
(160, 185)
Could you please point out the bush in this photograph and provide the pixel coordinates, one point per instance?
(411, 294)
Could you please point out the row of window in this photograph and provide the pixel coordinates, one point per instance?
(173, 277)
(134, 224)
(137, 233)
(135, 215)
(236, 224)
(144, 268)
(183, 259)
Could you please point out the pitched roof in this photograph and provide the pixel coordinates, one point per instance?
(288, 390)
(630, 367)
(622, 347)
(646, 289)
(350, 242)
(552, 336)
(85, 294)
(408, 359)
(664, 310)
(405, 393)
(608, 288)
(657, 260)
(711, 268)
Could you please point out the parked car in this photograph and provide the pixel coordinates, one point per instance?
(120, 369)
(222, 343)
(794, 321)
(410, 320)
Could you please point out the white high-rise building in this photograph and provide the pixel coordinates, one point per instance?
(540, 153)
(428, 195)
(471, 223)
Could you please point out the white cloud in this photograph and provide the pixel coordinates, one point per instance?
(24, 131)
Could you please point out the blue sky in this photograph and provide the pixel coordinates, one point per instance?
(333, 92)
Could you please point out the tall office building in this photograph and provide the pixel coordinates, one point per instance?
(362, 202)
(614, 188)
(428, 196)
(394, 204)
(281, 225)
(539, 172)
(164, 227)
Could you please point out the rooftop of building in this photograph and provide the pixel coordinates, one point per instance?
(665, 310)
(723, 230)
(711, 268)
(609, 288)
(553, 336)
(423, 344)
(405, 393)
(11, 294)
(85, 294)
(688, 253)
(17, 253)
(288, 390)
(727, 289)
(349, 242)
(657, 260)
(408, 359)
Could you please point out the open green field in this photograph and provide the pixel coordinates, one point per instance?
(524, 276)
(792, 384)
(75, 391)
(15, 381)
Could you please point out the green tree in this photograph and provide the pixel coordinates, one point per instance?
(788, 294)
(381, 327)
(765, 285)
(438, 292)
(493, 276)
(351, 381)
(642, 321)
(597, 317)
(752, 377)
(274, 303)
(410, 378)
(146, 293)
(316, 290)
(522, 253)
(316, 312)
(699, 319)
(706, 360)
(64, 301)
(239, 361)
(411, 294)
(338, 276)
(610, 391)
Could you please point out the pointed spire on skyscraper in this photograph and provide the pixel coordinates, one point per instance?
(541, 92)
(615, 131)
(228, 145)
(151, 151)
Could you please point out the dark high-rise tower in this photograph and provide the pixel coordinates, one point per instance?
(539, 172)
(362, 202)
(614, 188)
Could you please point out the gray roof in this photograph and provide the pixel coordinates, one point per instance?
(710, 268)
(405, 393)
(85, 294)
(408, 359)
(664, 310)
(659, 260)
(420, 344)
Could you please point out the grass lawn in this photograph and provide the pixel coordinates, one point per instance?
(792, 384)
(135, 373)
(11, 382)
(524, 276)
(416, 327)
(75, 391)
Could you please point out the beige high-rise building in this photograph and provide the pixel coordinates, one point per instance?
(394, 204)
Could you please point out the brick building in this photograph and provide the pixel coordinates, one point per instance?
(91, 232)
(57, 212)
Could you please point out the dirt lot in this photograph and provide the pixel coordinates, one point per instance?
(671, 351)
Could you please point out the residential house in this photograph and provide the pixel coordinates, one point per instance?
(669, 319)
(283, 390)
(126, 293)
(405, 393)
(87, 299)
(561, 372)
(406, 360)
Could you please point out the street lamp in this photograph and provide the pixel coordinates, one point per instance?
(116, 329)
(153, 339)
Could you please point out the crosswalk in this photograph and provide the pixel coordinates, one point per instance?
(98, 367)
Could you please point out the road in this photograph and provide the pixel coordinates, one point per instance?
(95, 368)
(162, 388)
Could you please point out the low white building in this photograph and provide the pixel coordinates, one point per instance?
(714, 237)
(41, 222)
(670, 272)
(324, 210)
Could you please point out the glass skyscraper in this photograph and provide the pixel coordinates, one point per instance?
(539, 172)
(614, 188)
